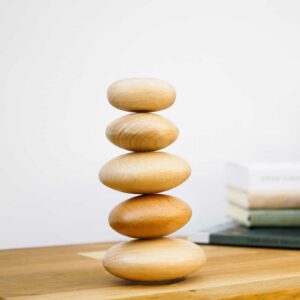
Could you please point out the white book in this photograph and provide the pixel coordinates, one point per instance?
(264, 177)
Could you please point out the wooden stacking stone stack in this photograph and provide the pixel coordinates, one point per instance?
(147, 171)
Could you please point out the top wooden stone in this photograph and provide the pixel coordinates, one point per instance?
(141, 94)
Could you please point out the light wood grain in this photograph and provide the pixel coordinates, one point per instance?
(154, 259)
(68, 273)
(149, 216)
(142, 132)
(141, 94)
(144, 173)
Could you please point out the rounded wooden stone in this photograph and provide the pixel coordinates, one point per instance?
(149, 216)
(141, 94)
(142, 132)
(154, 260)
(144, 173)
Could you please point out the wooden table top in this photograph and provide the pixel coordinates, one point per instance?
(76, 272)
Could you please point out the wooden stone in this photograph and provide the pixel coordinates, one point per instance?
(142, 132)
(141, 94)
(144, 173)
(154, 260)
(149, 216)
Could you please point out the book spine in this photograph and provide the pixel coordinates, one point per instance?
(280, 217)
(274, 200)
(261, 179)
(274, 180)
(263, 200)
(283, 242)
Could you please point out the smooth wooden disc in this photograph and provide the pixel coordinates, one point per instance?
(144, 173)
(142, 132)
(141, 94)
(149, 216)
(154, 259)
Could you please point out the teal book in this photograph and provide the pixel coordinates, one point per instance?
(265, 217)
(232, 233)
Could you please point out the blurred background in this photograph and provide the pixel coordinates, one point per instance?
(235, 66)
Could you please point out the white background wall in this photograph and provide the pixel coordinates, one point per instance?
(236, 68)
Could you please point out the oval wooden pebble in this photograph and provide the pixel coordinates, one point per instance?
(154, 260)
(142, 132)
(144, 173)
(149, 216)
(141, 94)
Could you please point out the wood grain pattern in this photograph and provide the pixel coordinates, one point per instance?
(142, 132)
(149, 216)
(141, 94)
(154, 259)
(144, 173)
(70, 273)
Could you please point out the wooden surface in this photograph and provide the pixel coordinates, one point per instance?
(75, 272)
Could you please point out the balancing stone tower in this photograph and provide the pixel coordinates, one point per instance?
(150, 216)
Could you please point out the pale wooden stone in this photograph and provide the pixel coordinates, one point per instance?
(142, 132)
(144, 173)
(154, 259)
(141, 94)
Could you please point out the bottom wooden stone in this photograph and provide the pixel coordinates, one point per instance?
(158, 259)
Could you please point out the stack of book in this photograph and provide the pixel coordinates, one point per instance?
(264, 203)
(264, 195)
